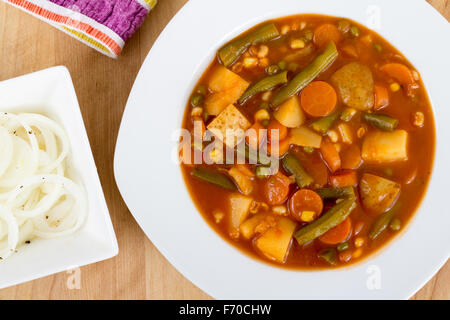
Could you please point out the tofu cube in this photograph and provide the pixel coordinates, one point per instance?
(229, 126)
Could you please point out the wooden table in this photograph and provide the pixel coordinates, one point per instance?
(102, 86)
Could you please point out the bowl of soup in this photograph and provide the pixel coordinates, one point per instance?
(293, 155)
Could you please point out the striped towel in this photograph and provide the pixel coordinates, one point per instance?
(104, 25)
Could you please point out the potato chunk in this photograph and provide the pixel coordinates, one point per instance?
(305, 137)
(354, 83)
(290, 114)
(239, 207)
(247, 228)
(378, 194)
(229, 126)
(227, 88)
(380, 146)
(276, 241)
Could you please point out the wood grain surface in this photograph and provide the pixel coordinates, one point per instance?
(102, 86)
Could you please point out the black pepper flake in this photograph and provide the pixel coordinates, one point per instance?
(28, 242)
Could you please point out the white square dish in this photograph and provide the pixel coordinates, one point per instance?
(51, 92)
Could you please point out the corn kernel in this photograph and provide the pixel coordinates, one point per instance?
(395, 87)
(418, 119)
(285, 29)
(261, 115)
(334, 137)
(346, 133)
(361, 132)
(218, 216)
(263, 51)
(197, 112)
(266, 96)
(297, 44)
(308, 216)
(416, 75)
(302, 25)
(280, 210)
(250, 62)
(357, 253)
(359, 242)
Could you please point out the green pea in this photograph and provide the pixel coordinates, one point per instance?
(282, 65)
(395, 224)
(344, 26)
(272, 69)
(202, 90)
(378, 47)
(205, 116)
(196, 99)
(354, 31)
(343, 246)
(308, 149)
(265, 123)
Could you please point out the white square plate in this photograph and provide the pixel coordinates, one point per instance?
(50, 92)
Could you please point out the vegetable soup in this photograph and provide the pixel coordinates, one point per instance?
(316, 141)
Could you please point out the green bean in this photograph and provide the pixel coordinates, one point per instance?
(263, 172)
(308, 74)
(215, 178)
(381, 224)
(343, 246)
(229, 53)
(324, 124)
(292, 166)
(336, 193)
(329, 220)
(196, 99)
(329, 255)
(265, 84)
(381, 121)
(253, 156)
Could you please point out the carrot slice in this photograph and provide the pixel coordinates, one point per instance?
(398, 72)
(305, 200)
(326, 33)
(318, 99)
(337, 234)
(351, 157)
(342, 180)
(283, 147)
(276, 189)
(255, 135)
(381, 97)
(330, 155)
(275, 125)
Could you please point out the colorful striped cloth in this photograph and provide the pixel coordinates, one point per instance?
(104, 25)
